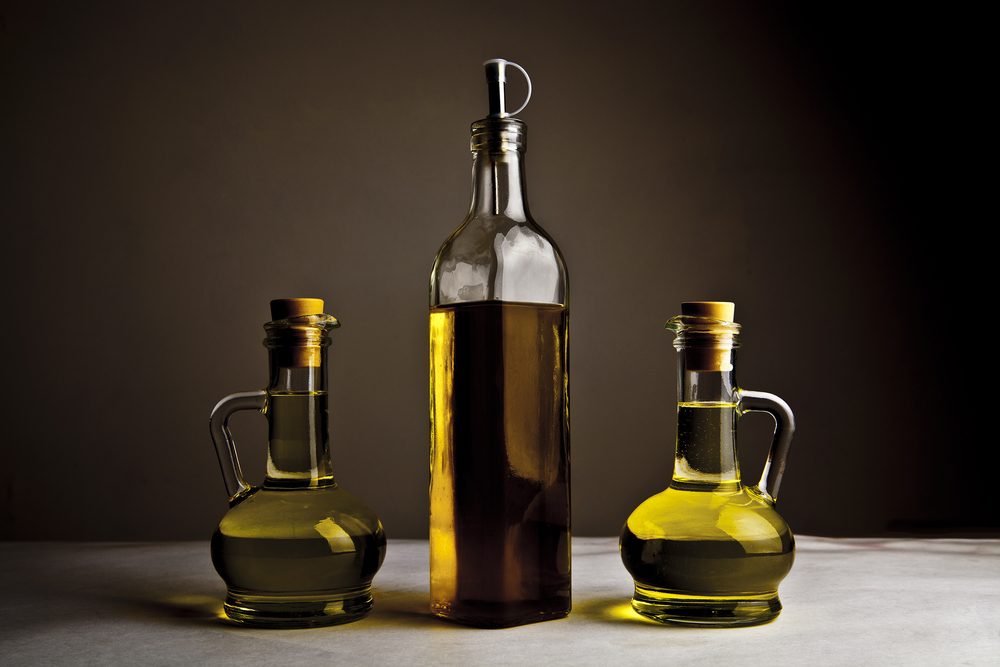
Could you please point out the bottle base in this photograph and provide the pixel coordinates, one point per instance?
(497, 615)
(706, 610)
(298, 611)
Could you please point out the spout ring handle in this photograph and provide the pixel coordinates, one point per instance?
(526, 78)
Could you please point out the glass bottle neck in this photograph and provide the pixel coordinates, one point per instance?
(298, 449)
(705, 457)
(498, 185)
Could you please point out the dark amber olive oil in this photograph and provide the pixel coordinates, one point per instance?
(500, 488)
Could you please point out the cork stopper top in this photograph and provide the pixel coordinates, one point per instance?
(283, 309)
(298, 332)
(706, 334)
(717, 310)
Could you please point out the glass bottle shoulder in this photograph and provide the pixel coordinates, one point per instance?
(499, 258)
(677, 514)
(301, 513)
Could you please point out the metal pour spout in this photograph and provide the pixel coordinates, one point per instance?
(496, 81)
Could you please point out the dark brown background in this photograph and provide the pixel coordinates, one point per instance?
(169, 169)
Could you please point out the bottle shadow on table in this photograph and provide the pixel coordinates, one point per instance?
(613, 610)
(392, 608)
(402, 608)
(191, 607)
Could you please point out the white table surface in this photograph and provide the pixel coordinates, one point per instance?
(847, 602)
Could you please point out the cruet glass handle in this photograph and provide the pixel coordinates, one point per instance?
(225, 446)
(784, 427)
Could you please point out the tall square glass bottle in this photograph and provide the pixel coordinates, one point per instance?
(499, 397)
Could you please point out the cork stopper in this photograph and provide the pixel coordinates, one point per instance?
(282, 309)
(297, 343)
(717, 310)
(708, 346)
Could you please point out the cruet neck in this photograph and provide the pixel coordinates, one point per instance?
(707, 396)
(298, 443)
(297, 347)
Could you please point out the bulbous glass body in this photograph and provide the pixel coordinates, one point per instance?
(707, 556)
(709, 550)
(298, 551)
(298, 557)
